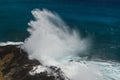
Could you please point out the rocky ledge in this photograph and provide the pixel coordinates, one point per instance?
(15, 65)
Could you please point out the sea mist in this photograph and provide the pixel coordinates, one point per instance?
(53, 43)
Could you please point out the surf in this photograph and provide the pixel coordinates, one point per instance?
(54, 43)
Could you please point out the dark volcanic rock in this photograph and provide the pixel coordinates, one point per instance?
(15, 65)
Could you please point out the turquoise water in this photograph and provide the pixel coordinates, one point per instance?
(99, 19)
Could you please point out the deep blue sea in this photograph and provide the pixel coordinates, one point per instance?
(98, 18)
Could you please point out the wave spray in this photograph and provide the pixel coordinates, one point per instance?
(53, 43)
(51, 38)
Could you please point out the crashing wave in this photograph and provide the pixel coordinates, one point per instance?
(53, 43)
(10, 43)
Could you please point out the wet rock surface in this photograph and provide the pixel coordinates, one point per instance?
(15, 65)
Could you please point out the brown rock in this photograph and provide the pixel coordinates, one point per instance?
(15, 65)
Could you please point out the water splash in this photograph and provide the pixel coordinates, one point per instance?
(51, 38)
(53, 43)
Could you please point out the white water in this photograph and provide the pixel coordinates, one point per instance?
(54, 44)
(10, 43)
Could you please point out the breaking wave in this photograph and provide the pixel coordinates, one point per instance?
(53, 43)
(10, 43)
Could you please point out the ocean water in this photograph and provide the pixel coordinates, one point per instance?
(98, 18)
(54, 43)
(86, 32)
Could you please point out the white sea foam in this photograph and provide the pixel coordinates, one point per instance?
(37, 69)
(110, 70)
(53, 43)
(10, 43)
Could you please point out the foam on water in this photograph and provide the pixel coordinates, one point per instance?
(53, 43)
(110, 70)
(10, 43)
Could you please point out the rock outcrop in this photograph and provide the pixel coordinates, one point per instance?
(15, 65)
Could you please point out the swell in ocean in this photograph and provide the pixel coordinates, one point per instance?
(54, 43)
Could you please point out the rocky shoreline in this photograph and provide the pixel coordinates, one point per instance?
(15, 65)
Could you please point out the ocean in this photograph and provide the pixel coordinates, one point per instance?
(96, 21)
(97, 18)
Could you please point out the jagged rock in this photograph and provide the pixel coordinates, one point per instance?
(15, 65)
